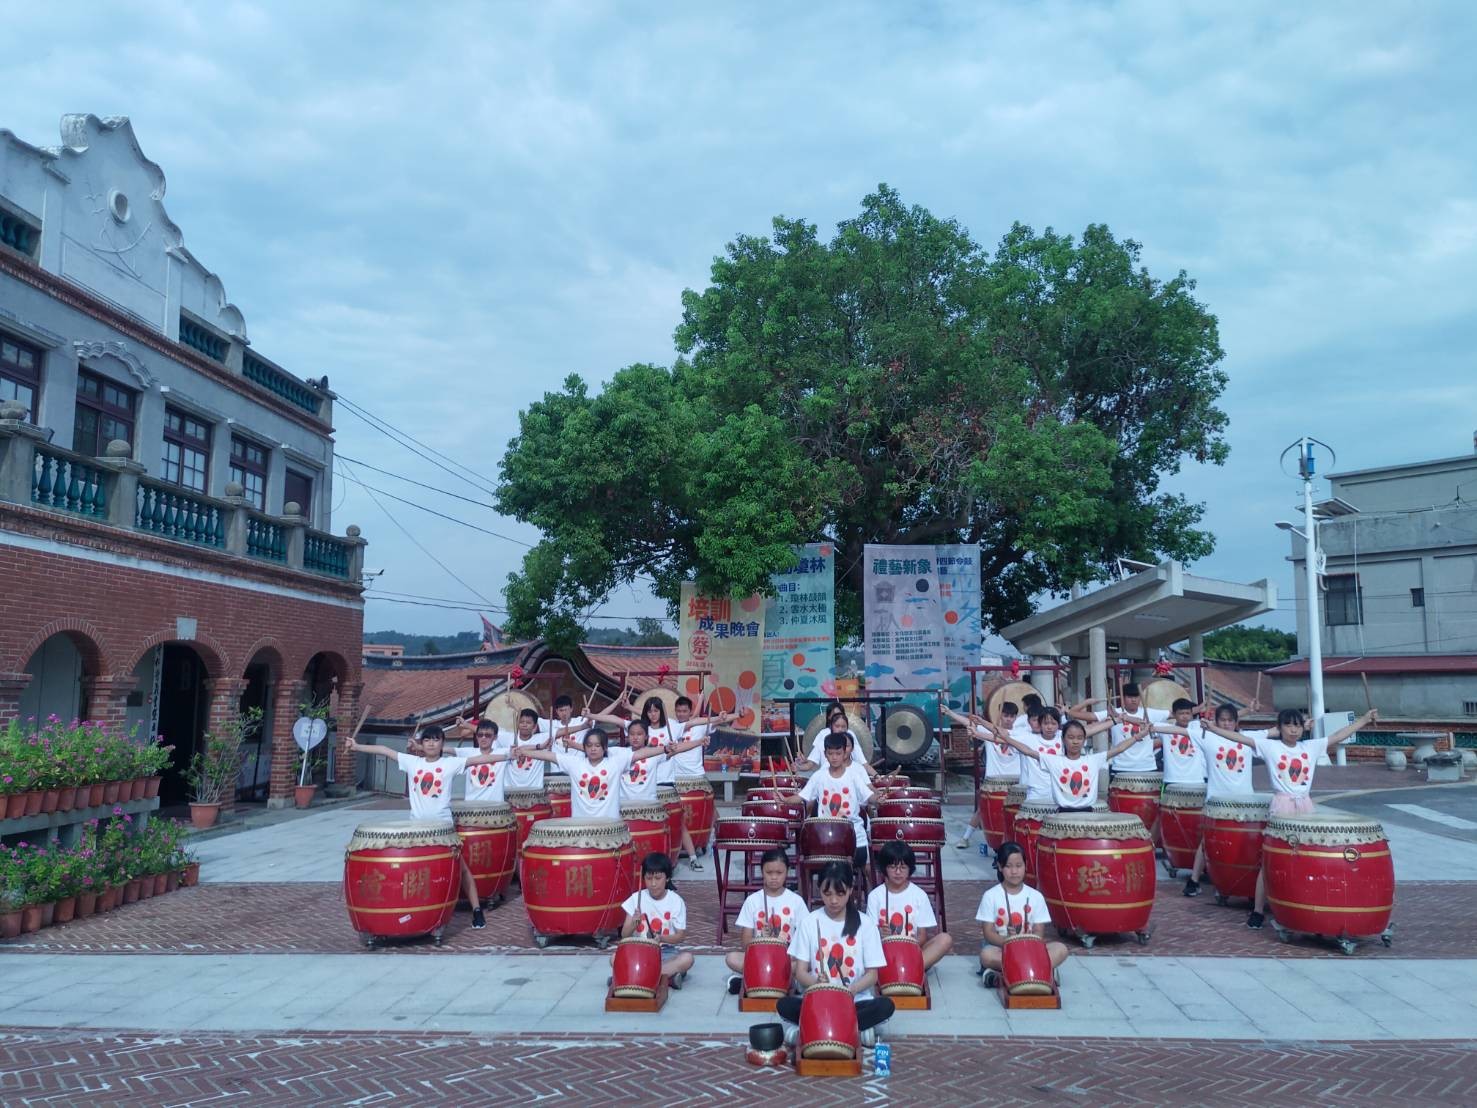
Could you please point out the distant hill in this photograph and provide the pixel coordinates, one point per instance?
(647, 632)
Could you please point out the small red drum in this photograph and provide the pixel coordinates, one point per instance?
(401, 878)
(903, 974)
(767, 968)
(1232, 829)
(751, 833)
(558, 788)
(787, 806)
(824, 837)
(636, 970)
(1329, 874)
(771, 794)
(993, 791)
(648, 826)
(672, 801)
(891, 781)
(788, 782)
(1137, 794)
(1026, 966)
(770, 809)
(489, 835)
(1180, 816)
(828, 1027)
(909, 792)
(697, 809)
(904, 807)
(1015, 796)
(575, 874)
(1027, 826)
(529, 806)
(1097, 872)
(914, 832)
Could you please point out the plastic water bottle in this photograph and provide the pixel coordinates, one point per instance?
(882, 1060)
(984, 850)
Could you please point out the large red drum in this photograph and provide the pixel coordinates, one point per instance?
(1232, 829)
(1137, 794)
(787, 806)
(1015, 796)
(1329, 874)
(772, 794)
(671, 800)
(909, 792)
(636, 970)
(575, 874)
(770, 809)
(1180, 816)
(747, 832)
(903, 974)
(767, 969)
(698, 809)
(529, 806)
(825, 837)
(489, 835)
(891, 781)
(828, 1027)
(1027, 827)
(401, 878)
(1097, 873)
(557, 786)
(1026, 966)
(789, 782)
(914, 832)
(648, 826)
(992, 808)
(908, 807)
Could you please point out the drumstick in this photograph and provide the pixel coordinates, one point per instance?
(1368, 700)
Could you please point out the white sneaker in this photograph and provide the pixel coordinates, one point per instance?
(792, 1034)
(962, 844)
(869, 1037)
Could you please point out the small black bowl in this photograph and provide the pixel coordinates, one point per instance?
(767, 1036)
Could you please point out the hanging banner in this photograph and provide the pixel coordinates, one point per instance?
(724, 637)
(904, 621)
(958, 570)
(799, 636)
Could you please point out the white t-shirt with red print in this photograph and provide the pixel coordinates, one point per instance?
(639, 781)
(901, 913)
(1227, 764)
(1001, 759)
(488, 782)
(595, 791)
(1291, 767)
(689, 763)
(1138, 758)
(1013, 913)
(841, 797)
(833, 956)
(526, 773)
(580, 723)
(660, 916)
(1074, 780)
(429, 783)
(772, 917)
(1033, 773)
(818, 749)
(1184, 759)
(666, 773)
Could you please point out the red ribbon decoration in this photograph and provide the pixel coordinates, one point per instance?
(515, 675)
(1163, 669)
(661, 673)
(1015, 669)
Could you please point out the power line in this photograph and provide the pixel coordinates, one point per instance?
(371, 489)
(457, 606)
(417, 484)
(399, 437)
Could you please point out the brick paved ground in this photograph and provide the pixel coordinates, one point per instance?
(69, 1067)
(1432, 920)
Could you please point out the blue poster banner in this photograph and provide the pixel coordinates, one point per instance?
(799, 635)
(958, 570)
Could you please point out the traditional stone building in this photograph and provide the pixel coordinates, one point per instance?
(166, 547)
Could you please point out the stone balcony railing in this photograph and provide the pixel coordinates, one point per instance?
(115, 490)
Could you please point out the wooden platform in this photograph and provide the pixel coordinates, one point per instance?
(615, 1003)
(912, 1003)
(758, 1003)
(1044, 1000)
(828, 1067)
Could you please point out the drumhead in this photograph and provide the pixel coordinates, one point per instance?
(694, 785)
(1326, 829)
(1183, 796)
(1092, 825)
(607, 834)
(1252, 808)
(647, 813)
(557, 786)
(381, 833)
(1142, 782)
(1036, 810)
(489, 814)
(526, 798)
(999, 784)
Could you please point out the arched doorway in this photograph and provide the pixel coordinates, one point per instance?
(57, 669)
(261, 675)
(323, 677)
(182, 704)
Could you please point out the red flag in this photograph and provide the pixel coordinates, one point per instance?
(492, 635)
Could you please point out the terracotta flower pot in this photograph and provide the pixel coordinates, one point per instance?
(10, 924)
(30, 919)
(114, 897)
(64, 799)
(86, 904)
(302, 795)
(95, 796)
(161, 884)
(49, 800)
(145, 887)
(171, 881)
(110, 792)
(139, 785)
(15, 805)
(191, 875)
(151, 787)
(130, 891)
(66, 909)
(33, 802)
(48, 913)
(204, 815)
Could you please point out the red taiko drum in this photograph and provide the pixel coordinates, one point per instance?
(903, 974)
(770, 809)
(767, 969)
(751, 833)
(914, 832)
(907, 792)
(891, 781)
(1027, 827)
(1015, 796)
(636, 970)
(992, 808)
(1097, 873)
(905, 807)
(648, 826)
(1232, 829)
(575, 874)
(1026, 966)
(697, 809)
(1180, 816)
(771, 794)
(489, 835)
(1329, 874)
(529, 806)
(1137, 794)
(787, 782)
(828, 1027)
(825, 837)
(672, 801)
(558, 789)
(401, 878)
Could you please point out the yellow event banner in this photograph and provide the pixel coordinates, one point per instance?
(723, 637)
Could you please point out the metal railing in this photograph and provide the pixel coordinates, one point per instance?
(61, 479)
(166, 510)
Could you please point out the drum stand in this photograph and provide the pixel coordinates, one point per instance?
(1009, 1000)
(828, 1067)
(615, 1003)
(923, 1002)
(542, 940)
(1088, 940)
(1348, 944)
(749, 1003)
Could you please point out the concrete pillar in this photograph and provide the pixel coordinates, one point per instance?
(290, 693)
(1041, 679)
(105, 699)
(1197, 648)
(1097, 672)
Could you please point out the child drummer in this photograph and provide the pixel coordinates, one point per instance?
(1001, 760)
(771, 913)
(1012, 908)
(656, 912)
(1073, 775)
(902, 908)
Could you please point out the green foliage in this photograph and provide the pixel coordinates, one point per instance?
(53, 755)
(647, 632)
(897, 384)
(1250, 644)
(217, 764)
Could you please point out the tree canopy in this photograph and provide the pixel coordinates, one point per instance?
(897, 384)
(1250, 644)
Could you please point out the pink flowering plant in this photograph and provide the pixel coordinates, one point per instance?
(56, 754)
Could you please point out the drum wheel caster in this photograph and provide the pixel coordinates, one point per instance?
(368, 941)
(436, 938)
(1169, 867)
(1222, 899)
(541, 941)
(1282, 933)
(1387, 938)
(1087, 941)
(602, 941)
(1143, 936)
(1348, 946)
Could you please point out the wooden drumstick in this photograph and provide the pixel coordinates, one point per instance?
(1368, 700)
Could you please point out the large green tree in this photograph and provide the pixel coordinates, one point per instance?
(897, 384)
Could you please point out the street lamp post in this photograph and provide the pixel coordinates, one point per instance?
(1306, 470)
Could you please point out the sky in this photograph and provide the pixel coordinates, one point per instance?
(448, 208)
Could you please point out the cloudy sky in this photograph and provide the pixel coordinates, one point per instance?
(449, 207)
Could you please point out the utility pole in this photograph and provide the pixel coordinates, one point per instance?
(1307, 469)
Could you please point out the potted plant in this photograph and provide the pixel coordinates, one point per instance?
(12, 893)
(216, 767)
(308, 732)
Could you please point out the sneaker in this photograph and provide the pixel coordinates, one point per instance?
(962, 844)
(991, 979)
(869, 1037)
(1255, 921)
(792, 1034)
(479, 921)
(675, 981)
(1192, 887)
(693, 863)
(735, 984)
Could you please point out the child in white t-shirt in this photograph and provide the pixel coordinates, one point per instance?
(841, 791)
(771, 913)
(1184, 757)
(1012, 908)
(657, 912)
(1227, 768)
(487, 782)
(1073, 776)
(1001, 759)
(837, 723)
(594, 773)
(901, 907)
(527, 772)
